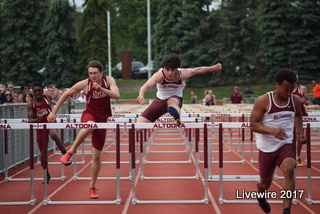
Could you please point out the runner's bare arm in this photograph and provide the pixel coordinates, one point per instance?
(298, 119)
(156, 78)
(81, 85)
(189, 72)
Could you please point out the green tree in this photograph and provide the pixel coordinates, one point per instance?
(129, 27)
(304, 40)
(2, 72)
(165, 37)
(93, 44)
(22, 41)
(207, 51)
(60, 43)
(239, 39)
(274, 28)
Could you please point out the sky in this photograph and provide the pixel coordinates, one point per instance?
(78, 2)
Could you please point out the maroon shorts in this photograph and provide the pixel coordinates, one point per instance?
(269, 160)
(157, 108)
(98, 136)
(40, 138)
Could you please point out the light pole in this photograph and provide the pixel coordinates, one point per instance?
(149, 38)
(109, 43)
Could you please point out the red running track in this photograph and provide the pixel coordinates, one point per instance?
(168, 176)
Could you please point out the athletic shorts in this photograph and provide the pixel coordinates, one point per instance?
(157, 108)
(41, 142)
(98, 136)
(269, 160)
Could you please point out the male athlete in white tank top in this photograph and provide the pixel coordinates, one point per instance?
(273, 118)
(277, 117)
(170, 81)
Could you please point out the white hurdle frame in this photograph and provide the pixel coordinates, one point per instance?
(7, 178)
(221, 178)
(309, 199)
(132, 143)
(46, 200)
(186, 143)
(32, 200)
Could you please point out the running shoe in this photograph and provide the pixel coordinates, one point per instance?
(286, 211)
(264, 205)
(299, 163)
(175, 115)
(66, 158)
(93, 193)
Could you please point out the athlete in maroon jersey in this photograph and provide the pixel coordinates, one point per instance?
(98, 89)
(38, 110)
(302, 92)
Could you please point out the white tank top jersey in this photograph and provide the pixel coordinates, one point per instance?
(167, 88)
(277, 117)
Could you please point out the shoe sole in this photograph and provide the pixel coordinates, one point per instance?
(178, 122)
(265, 206)
(94, 197)
(66, 164)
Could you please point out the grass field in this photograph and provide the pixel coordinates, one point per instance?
(129, 89)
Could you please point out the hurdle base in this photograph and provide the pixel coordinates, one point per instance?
(137, 201)
(49, 202)
(298, 177)
(102, 178)
(157, 152)
(235, 177)
(310, 201)
(31, 202)
(62, 178)
(242, 201)
(169, 177)
(146, 161)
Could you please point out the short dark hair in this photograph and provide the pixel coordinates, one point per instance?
(22, 87)
(286, 74)
(37, 84)
(95, 64)
(171, 61)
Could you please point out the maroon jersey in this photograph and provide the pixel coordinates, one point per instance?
(236, 97)
(298, 93)
(43, 110)
(98, 102)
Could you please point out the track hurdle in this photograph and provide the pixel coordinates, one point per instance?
(237, 178)
(309, 199)
(9, 178)
(174, 132)
(186, 143)
(47, 201)
(32, 200)
(231, 125)
(188, 149)
(135, 200)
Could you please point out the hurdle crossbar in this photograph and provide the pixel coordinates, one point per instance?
(132, 127)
